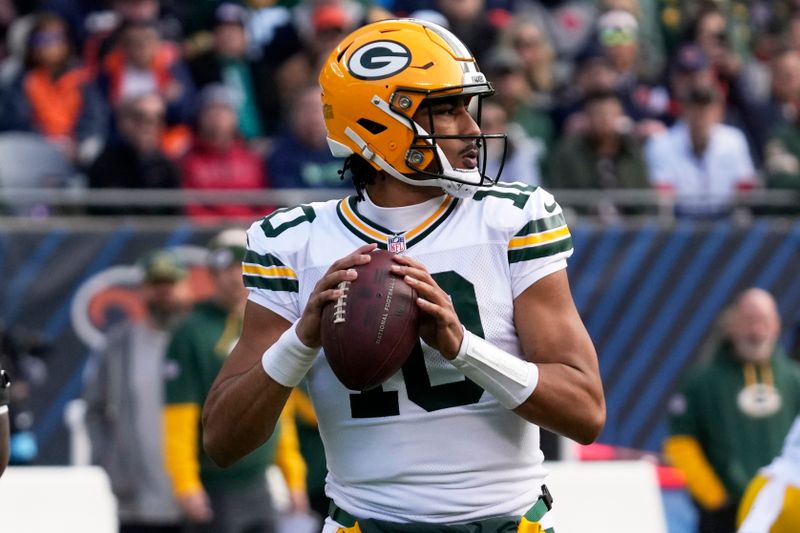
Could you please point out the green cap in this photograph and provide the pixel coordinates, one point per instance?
(162, 265)
(227, 248)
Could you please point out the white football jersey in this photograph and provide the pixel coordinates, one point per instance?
(428, 445)
(786, 467)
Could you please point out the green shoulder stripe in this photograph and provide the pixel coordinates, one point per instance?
(535, 252)
(267, 260)
(271, 284)
(542, 224)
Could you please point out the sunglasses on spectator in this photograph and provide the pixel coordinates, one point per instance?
(146, 117)
(527, 43)
(720, 37)
(46, 38)
(616, 37)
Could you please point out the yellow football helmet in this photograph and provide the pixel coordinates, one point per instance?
(375, 81)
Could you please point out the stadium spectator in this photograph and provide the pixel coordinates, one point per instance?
(522, 157)
(471, 21)
(216, 500)
(98, 24)
(650, 40)
(733, 411)
(300, 157)
(143, 63)
(710, 30)
(780, 107)
(605, 155)
(716, 35)
(526, 37)
(219, 159)
(782, 150)
(124, 394)
(229, 62)
(328, 23)
(690, 67)
(700, 160)
(133, 158)
(593, 72)
(793, 30)
(8, 14)
(280, 32)
(569, 25)
(771, 503)
(503, 67)
(618, 33)
(54, 96)
(618, 36)
(12, 60)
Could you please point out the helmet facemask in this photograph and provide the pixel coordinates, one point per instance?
(426, 157)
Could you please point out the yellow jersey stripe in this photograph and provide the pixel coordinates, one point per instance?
(430, 220)
(269, 272)
(539, 238)
(351, 217)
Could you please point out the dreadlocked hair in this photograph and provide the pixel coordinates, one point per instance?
(360, 171)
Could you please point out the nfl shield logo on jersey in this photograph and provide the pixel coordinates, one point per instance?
(397, 244)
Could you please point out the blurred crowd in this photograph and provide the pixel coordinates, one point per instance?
(694, 99)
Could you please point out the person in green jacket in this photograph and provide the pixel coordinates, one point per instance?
(603, 154)
(732, 413)
(783, 157)
(234, 499)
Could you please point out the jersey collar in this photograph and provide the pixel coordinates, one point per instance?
(372, 232)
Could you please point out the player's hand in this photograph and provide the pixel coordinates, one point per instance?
(440, 327)
(196, 506)
(298, 501)
(326, 290)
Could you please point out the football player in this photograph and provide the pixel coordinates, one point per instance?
(451, 441)
(771, 503)
(5, 430)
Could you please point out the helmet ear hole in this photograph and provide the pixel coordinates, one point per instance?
(371, 126)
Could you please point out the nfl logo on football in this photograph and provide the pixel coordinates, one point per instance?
(397, 244)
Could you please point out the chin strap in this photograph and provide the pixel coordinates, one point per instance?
(453, 188)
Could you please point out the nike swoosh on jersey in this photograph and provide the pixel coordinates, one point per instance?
(550, 207)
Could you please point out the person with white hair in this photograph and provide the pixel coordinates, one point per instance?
(732, 413)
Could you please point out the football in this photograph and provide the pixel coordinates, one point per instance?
(368, 333)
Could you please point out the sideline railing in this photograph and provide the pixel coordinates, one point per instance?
(66, 202)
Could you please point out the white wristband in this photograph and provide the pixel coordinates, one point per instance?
(288, 360)
(3, 409)
(506, 377)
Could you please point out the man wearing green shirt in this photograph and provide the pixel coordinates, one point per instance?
(213, 499)
(732, 414)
